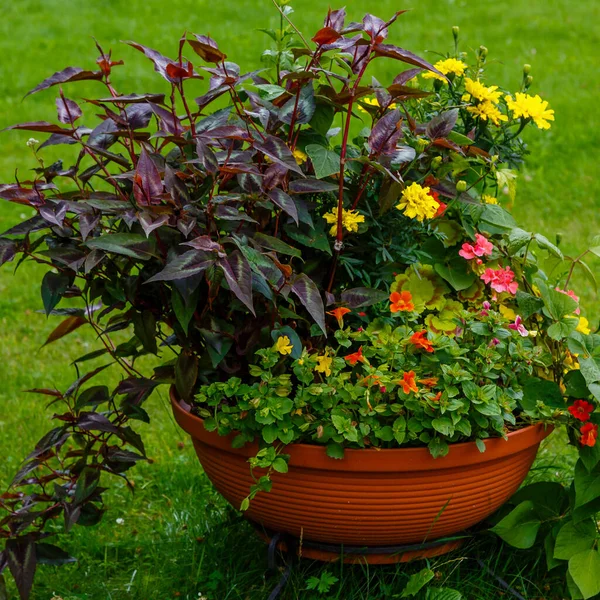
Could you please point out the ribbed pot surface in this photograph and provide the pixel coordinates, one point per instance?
(370, 497)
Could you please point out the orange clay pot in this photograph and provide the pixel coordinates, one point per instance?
(370, 498)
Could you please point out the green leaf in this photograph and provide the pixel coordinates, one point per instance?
(590, 457)
(438, 447)
(325, 162)
(584, 568)
(519, 528)
(245, 505)
(335, 450)
(528, 304)
(456, 275)
(517, 238)
(460, 139)
(574, 538)
(133, 245)
(545, 244)
(54, 285)
(507, 178)
(587, 484)
(444, 425)
(144, 327)
(322, 119)
(559, 305)
(443, 593)
(292, 336)
(267, 241)
(496, 219)
(280, 465)
(416, 582)
(541, 390)
(362, 297)
(549, 498)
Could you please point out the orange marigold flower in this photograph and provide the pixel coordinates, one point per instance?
(401, 301)
(437, 397)
(339, 313)
(581, 410)
(355, 357)
(408, 383)
(419, 339)
(429, 381)
(589, 434)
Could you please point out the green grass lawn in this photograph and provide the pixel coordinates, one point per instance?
(177, 538)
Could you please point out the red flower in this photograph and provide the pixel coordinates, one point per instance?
(581, 410)
(589, 434)
(355, 357)
(339, 313)
(401, 301)
(408, 383)
(419, 339)
(441, 206)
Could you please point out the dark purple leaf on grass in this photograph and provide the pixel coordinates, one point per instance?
(67, 326)
(147, 183)
(278, 151)
(87, 223)
(186, 373)
(362, 297)
(101, 136)
(404, 92)
(312, 186)
(406, 76)
(54, 285)
(441, 125)
(8, 250)
(169, 122)
(160, 62)
(21, 558)
(21, 195)
(375, 28)
(385, 134)
(207, 49)
(391, 51)
(308, 294)
(134, 99)
(284, 202)
(193, 262)
(303, 109)
(65, 76)
(92, 421)
(239, 277)
(138, 115)
(133, 245)
(207, 157)
(68, 110)
(335, 19)
(49, 554)
(40, 126)
(58, 138)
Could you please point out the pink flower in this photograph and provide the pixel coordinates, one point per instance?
(482, 247)
(501, 280)
(571, 294)
(486, 307)
(518, 326)
(494, 342)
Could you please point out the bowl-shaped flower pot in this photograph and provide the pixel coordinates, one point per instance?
(371, 498)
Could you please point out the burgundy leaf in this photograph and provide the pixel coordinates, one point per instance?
(403, 92)
(311, 186)
(405, 56)
(406, 76)
(204, 242)
(138, 116)
(285, 203)
(168, 121)
(385, 134)
(277, 150)
(239, 277)
(326, 35)
(42, 126)
(149, 224)
(211, 95)
(308, 294)
(67, 326)
(250, 183)
(383, 96)
(175, 71)
(375, 28)
(206, 48)
(65, 76)
(441, 125)
(21, 195)
(8, 250)
(147, 183)
(22, 562)
(160, 62)
(274, 176)
(57, 138)
(101, 136)
(335, 19)
(207, 157)
(91, 421)
(134, 99)
(300, 110)
(54, 214)
(186, 374)
(190, 263)
(68, 110)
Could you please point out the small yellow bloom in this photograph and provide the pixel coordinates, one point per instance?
(487, 110)
(531, 107)
(300, 361)
(350, 220)
(283, 345)
(300, 156)
(489, 199)
(371, 102)
(480, 92)
(449, 66)
(324, 364)
(508, 313)
(418, 203)
(570, 363)
(583, 326)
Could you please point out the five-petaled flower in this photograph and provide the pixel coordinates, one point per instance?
(501, 280)
(419, 339)
(339, 313)
(589, 434)
(355, 357)
(324, 364)
(401, 301)
(283, 345)
(518, 326)
(482, 247)
(429, 381)
(581, 410)
(408, 382)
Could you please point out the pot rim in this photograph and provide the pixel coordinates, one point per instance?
(369, 459)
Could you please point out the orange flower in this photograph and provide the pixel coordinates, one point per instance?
(419, 339)
(437, 397)
(401, 301)
(355, 357)
(589, 434)
(339, 313)
(408, 383)
(370, 380)
(429, 381)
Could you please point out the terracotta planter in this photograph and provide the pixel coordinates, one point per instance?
(371, 498)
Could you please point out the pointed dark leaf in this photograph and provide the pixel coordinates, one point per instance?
(363, 297)
(92, 421)
(49, 554)
(405, 56)
(20, 555)
(311, 186)
(441, 125)
(54, 285)
(404, 92)
(406, 76)
(308, 294)
(21, 195)
(335, 19)
(101, 136)
(239, 277)
(138, 116)
(65, 76)
(8, 250)
(190, 263)
(207, 157)
(68, 110)
(186, 374)
(144, 327)
(375, 28)
(169, 122)
(385, 134)
(284, 202)
(160, 62)
(147, 182)
(149, 223)
(304, 109)
(206, 48)
(69, 325)
(326, 35)
(278, 151)
(134, 99)
(41, 126)
(87, 223)
(125, 244)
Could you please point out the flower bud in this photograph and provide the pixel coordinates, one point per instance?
(461, 186)
(455, 32)
(526, 69)
(483, 52)
(421, 144)
(436, 162)
(528, 81)
(32, 142)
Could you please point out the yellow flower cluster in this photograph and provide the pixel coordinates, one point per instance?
(487, 99)
(449, 66)
(372, 102)
(531, 107)
(417, 203)
(489, 199)
(300, 156)
(350, 220)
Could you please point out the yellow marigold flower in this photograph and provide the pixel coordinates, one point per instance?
(283, 345)
(417, 203)
(449, 66)
(478, 91)
(531, 107)
(371, 102)
(487, 110)
(350, 220)
(324, 364)
(489, 199)
(300, 156)
(583, 326)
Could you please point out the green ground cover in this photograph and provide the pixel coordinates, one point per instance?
(177, 537)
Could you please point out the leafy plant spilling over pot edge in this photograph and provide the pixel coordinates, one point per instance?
(314, 256)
